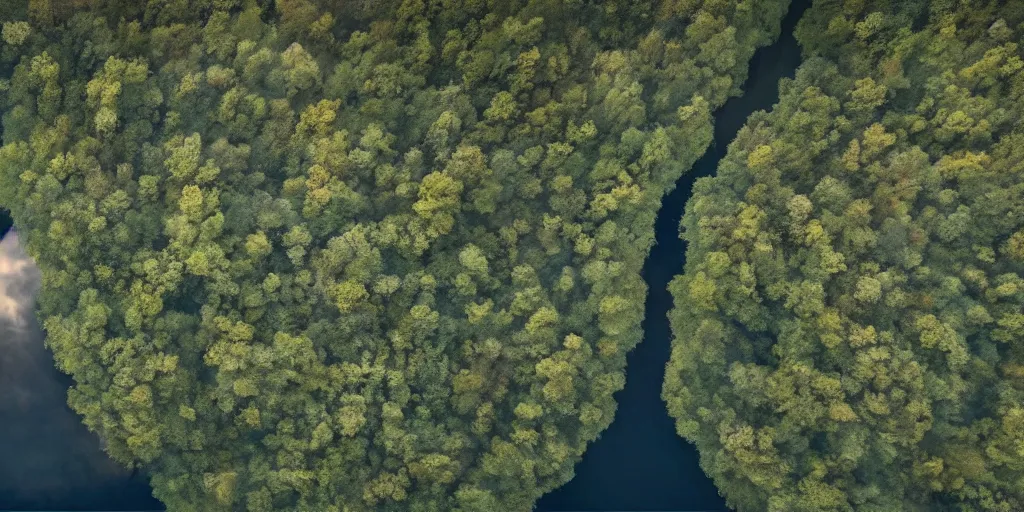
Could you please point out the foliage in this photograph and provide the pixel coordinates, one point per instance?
(848, 329)
(362, 255)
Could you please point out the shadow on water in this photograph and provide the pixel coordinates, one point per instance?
(640, 463)
(5, 223)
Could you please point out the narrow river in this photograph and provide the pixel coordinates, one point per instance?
(640, 463)
(50, 461)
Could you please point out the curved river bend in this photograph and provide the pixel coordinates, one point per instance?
(640, 462)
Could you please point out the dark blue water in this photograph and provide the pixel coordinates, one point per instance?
(49, 460)
(5, 223)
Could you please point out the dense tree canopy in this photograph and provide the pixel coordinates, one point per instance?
(326, 255)
(849, 326)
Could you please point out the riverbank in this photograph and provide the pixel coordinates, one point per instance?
(640, 462)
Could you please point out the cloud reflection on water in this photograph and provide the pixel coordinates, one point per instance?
(48, 459)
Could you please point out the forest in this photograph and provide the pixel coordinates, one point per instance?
(848, 326)
(329, 255)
